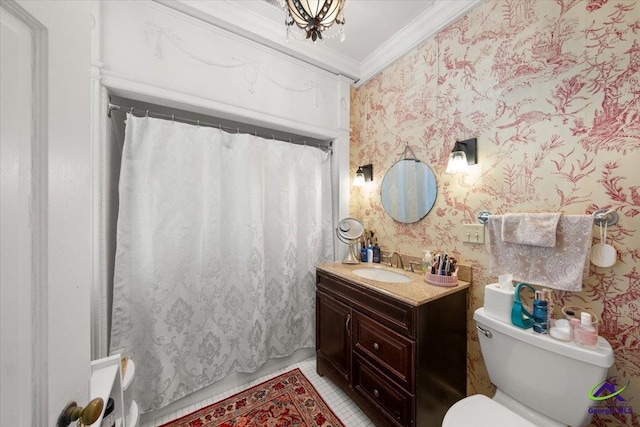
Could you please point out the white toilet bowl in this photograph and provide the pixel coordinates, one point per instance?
(480, 411)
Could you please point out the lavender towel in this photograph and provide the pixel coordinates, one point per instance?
(564, 266)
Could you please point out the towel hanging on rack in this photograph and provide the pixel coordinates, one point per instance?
(564, 266)
(535, 229)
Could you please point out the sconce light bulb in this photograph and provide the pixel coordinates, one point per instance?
(358, 181)
(457, 162)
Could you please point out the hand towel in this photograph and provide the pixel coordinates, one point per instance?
(535, 229)
(564, 266)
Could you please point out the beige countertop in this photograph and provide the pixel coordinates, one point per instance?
(416, 292)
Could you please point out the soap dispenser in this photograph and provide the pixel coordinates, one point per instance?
(426, 261)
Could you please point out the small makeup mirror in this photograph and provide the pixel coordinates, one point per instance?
(408, 190)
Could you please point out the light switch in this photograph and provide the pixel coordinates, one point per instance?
(473, 233)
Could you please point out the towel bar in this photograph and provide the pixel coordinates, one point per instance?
(598, 217)
(483, 217)
(605, 216)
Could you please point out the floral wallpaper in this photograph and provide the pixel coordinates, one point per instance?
(551, 90)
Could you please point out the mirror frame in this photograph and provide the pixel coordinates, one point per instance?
(430, 184)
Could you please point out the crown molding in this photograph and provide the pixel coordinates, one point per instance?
(429, 23)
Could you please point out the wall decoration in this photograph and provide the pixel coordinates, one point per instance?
(252, 69)
(551, 90)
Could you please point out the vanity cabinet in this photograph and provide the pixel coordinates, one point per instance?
(403, 364)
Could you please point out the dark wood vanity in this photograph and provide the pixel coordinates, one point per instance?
(402, 360)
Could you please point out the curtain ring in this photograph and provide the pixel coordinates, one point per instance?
(238, 131)
(131, 111)
(173, 118)
(147, 113)
(220, 126)
(198, 123)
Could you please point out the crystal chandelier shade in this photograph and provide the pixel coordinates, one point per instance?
(315, 16)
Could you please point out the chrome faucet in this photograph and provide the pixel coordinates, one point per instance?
(400, 264)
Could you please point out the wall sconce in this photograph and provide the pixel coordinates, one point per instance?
(464, 153)
(363, 174)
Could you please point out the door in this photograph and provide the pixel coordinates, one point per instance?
(45, 206)
(333, 334)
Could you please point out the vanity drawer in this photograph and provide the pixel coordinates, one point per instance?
(392, 351)
(382, 393)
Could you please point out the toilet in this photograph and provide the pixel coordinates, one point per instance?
(541, 382)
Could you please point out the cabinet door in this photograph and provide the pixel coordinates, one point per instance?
(333, 334)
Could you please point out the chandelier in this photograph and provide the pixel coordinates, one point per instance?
(315, 16)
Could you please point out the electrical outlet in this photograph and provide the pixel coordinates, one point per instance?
(473, 233)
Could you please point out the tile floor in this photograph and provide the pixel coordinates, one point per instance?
(340, 404)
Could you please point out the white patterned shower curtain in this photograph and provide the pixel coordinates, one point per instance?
(217, 238)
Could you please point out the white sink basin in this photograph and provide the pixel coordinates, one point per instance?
(381, 275)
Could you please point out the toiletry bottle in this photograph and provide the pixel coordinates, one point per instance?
(426, 262)
(548, 295)
(370, 252)
(585, 333)
(363, 252)
(540, 313)
(376, 252)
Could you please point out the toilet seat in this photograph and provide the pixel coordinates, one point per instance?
(480, 411)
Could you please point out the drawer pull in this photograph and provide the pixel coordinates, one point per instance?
(347, 323)
(376, 393)
(376, 346)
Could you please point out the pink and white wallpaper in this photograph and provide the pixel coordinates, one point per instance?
(551, 89)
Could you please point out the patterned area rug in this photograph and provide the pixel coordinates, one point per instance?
(286, 400)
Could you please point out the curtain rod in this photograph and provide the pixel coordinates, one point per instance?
(172, 117)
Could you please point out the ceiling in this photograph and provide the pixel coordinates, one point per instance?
(377, 31)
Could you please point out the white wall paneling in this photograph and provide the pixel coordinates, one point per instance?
(173, 59)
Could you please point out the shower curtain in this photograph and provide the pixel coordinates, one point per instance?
(217, 239)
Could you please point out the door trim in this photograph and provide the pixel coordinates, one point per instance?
(38, 215)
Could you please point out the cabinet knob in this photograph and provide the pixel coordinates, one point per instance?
(376, 346)
(376, 393)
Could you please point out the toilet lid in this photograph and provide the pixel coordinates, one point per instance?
(480, 411)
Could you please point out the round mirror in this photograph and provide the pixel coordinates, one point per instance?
(408, 190)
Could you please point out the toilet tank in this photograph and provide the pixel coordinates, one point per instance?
(552, 377)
